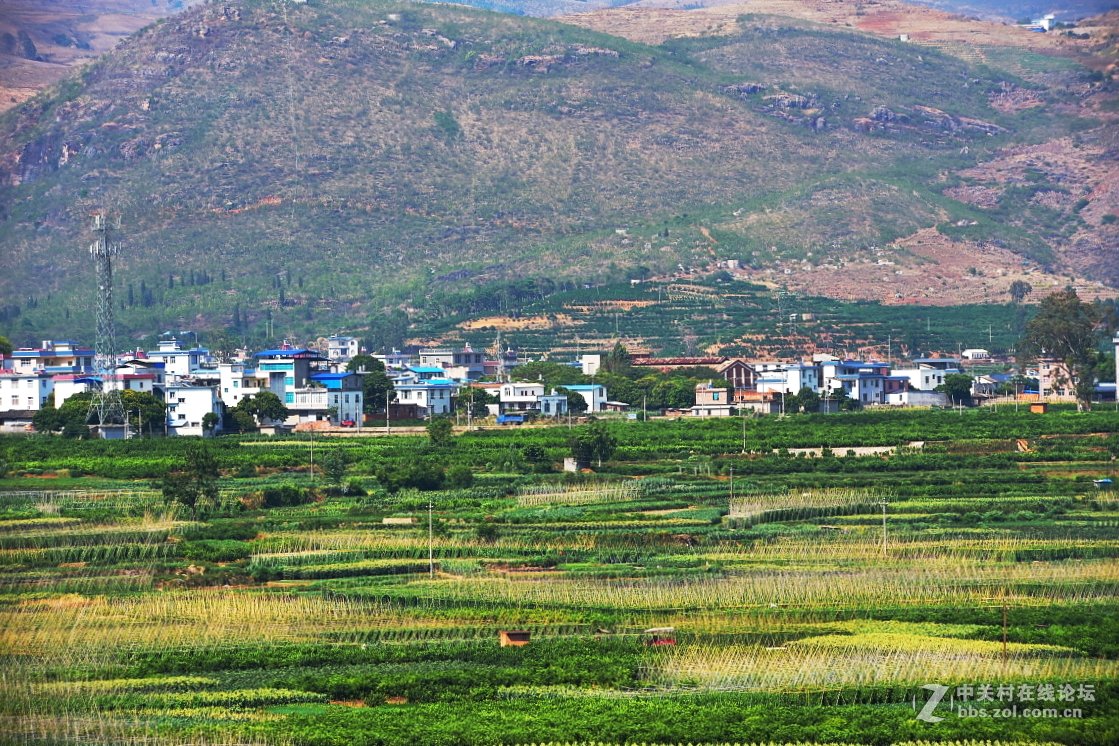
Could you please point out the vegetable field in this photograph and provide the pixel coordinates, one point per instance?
(792, 598)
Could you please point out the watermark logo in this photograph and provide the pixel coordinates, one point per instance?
(1006, 700)
(926, 712)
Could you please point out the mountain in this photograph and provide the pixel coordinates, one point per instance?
(41, 41)
(309, 166)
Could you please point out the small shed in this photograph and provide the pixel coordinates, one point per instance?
(516, 638)
(661, 636)
(1039, 407)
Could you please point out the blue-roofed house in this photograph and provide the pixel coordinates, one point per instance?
(432, 396)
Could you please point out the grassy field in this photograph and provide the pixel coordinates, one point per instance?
(801, 612)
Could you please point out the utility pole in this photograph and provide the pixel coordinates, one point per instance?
(387, 429)
(732, 484)
(106, 403)
(312, 455)
(430, 545)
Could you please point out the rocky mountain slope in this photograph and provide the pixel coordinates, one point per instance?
(301, 165)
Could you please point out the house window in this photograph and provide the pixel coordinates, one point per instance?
(289, 380)
(15, 401)
(347, 398)
(236, 384)
(289, 398)
(715, 396)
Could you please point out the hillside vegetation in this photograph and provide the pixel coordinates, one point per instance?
(312, 164)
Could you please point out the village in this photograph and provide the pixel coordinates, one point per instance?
(324, 390)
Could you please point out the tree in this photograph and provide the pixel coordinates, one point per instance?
(387, 331)
(145, 411)
(957, 386)
(47, 419)
(375, 383)
(809, 399)
(6, 348)
(196, 484)
(246, 423)
(1018, 291)
(334, 466)
(593, 441)
(618, 361)
(439, 430)
(264, 405)
(474, 401)
(1066, 330)
(210, 422)
(576, 404)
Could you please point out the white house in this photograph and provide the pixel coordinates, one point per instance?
(975, 354)
(923, 377)
(23, 394)
(342, 349)
(432, 397)
(178, 362)
(187, 405)
(340, 392)
(51, 357)
(590, 364)
(594, 394)
(520, 396)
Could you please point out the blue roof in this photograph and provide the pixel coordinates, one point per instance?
(288, 353)
(584, 386)
(331, 376)
(426, 369)
(439, 382)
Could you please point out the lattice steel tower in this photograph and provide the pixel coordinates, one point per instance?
(105, 405)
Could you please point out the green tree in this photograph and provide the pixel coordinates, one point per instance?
(263, 405)
(576, 404)
(334, 466)
(460, 477)
(957, 386)
(594, 441)
(1068, 330)
(439, 430)
(48, 419)
(618, 361)
(387, 331)
(146, 412)
(74, 414)
(210, 422)
(6, 348)
(375, 383)
(194, 486)
(809, 399)
(474, 401)
(1019, 289)
(246, 423)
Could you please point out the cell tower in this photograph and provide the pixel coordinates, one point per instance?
(105, 404)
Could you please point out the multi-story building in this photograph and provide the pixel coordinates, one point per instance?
(178, 362)
(56, 358)
(187, 406)
(594, 394)
(342, 349)
(334, 397)
(432, 397)
(464, 363)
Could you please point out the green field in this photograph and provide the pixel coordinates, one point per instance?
(290, 613)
